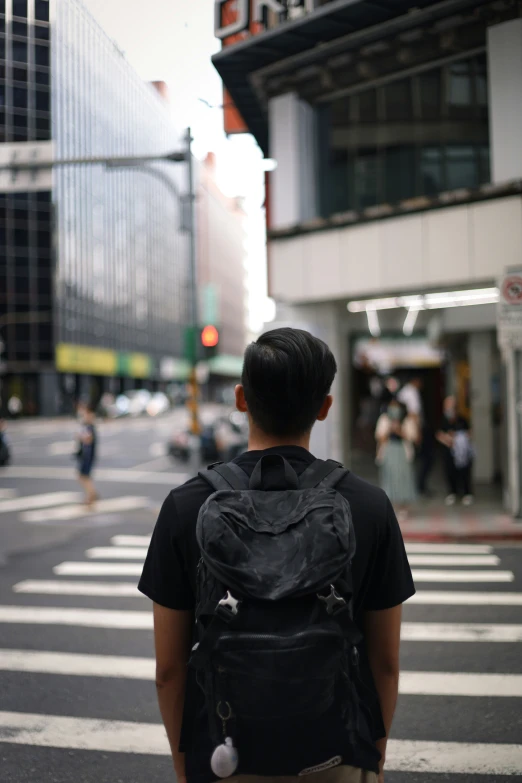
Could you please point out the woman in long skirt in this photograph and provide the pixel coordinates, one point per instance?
(396, 437)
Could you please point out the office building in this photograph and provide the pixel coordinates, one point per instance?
(93, 260)
(396, 205)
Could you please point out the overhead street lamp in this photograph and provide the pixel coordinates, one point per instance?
(14, 164)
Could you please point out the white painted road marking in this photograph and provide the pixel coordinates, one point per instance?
(463, 598)
(78, 665)
(61, 448)
(59, 587)
(462, 576)
(83, 733)
(453, 758)
(62, 513)
(70, 568)
(158, 449)
(460, 632)
(149, 738)
(460, 684)
(117, 553)
(111, 475)
(448, 549)
(39, 501)
(6, 494)
(453, 560)
(130, 540)
(90, 618)
(411, 683)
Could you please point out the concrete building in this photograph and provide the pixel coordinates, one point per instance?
(93, 262)
(396, 205)
(221, 271)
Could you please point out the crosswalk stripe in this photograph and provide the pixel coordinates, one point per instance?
(448, 549)
(39, 501)
(462, 576)
(453, 560)
(459, 684)
(7, 494)
(463, 598)
(112, 475)
(125, 503)
(62, 587)
(52, 731)
(149, 738)
(130, 540)
(411, 683)
(454, 758)
(90, 618)
(98, 569)
(76, 664)
(102, 618)
(116, 553)
(460, 632)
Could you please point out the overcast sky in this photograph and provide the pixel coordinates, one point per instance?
(173, 41)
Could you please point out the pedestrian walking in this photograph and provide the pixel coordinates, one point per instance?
(86, 452)
(455, 436)
(290, 631)
(397, 435)
(5, 451)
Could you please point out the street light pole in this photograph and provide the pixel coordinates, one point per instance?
(193, 402)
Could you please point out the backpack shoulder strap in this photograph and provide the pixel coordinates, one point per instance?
(225, 476)
(322, 473)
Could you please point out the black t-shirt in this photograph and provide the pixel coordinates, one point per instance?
(381, 578)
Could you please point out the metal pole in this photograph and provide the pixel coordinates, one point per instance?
(193, 402)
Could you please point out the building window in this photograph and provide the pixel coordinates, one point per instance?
(20, 8)
(20, 97)
(40, 32)
(19, 28)
(41, 10)
(42, 101)
(411, 137)
(20, 51)
(41, 55)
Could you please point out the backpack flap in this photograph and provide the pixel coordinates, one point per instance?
(273, 545)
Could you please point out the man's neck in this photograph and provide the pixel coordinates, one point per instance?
(259, 441)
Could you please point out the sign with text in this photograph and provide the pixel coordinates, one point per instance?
(510, 309)
(234, 18)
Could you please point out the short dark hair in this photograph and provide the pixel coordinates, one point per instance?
(287, 375)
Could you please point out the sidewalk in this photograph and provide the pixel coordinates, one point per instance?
(431, 520)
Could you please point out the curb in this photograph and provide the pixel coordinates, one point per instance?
(456, 537)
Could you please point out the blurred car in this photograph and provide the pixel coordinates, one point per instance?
(221, 440)
(158, 404)
(138, 401)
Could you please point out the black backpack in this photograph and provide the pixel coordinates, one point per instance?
(277, 652)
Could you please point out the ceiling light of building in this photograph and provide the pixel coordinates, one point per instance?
(434, 301)
(373, 322)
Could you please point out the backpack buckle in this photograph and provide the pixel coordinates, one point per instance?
(334, 602)
(228, 607)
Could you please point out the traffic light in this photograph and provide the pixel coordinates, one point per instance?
(209, 341)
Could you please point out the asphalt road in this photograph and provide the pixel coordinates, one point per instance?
(77, 700)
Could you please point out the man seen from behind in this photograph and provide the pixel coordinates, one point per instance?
(295, 572)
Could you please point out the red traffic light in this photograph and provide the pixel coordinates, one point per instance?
(209, 337)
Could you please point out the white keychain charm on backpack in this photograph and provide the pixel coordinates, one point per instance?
(224, 760)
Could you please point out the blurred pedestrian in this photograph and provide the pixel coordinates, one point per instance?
(5, 454)
(86, 452)
(455, 436)
(397, 434)
(411, 396)
(14, 406)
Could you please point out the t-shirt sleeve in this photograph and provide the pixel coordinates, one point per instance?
(164, 577)
(392, 582)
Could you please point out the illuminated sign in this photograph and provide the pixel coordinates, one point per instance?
(236, 17)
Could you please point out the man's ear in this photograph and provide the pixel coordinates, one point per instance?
(325, 408)
(240, 399)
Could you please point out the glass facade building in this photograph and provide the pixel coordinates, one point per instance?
(93, 274)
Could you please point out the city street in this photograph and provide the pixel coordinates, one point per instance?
(76, 669)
